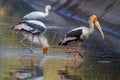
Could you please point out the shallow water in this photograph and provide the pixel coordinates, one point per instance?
(18, 63)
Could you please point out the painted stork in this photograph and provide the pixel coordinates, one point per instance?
(79, 35)
(34, 28)
(37, 14)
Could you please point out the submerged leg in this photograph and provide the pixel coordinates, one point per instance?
(76, 59)
(73, 51)
(77, 55)
(78, 50)
(21, 42)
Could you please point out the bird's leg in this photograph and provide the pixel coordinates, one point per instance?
(21, 42)
(31, 44)
(77, 54)
(78, 50)
(68, 48)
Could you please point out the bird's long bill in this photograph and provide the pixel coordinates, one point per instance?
(99, 28)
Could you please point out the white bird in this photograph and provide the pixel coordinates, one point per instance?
(79, 35)
(38, 14)
(34, 28)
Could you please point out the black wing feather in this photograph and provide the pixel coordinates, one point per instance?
(74, 33)
(30, 27)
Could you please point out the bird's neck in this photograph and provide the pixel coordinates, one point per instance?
(43, 41)
(91, 26)
(46, 11)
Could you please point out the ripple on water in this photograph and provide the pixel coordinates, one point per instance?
(104, 61)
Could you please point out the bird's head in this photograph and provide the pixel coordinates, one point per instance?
(94, 20)
(45, 50)
(45, 47)
(44, 42)
(48, 7)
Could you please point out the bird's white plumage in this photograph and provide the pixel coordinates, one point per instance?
(76, 29)
(43, 41)
(38, 14)
(85, 32)
(79, 28)
(36, 40)
(36, 22)
(34, 15)
(25, 27)
(68, 38)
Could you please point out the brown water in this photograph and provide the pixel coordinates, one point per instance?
(18, 63)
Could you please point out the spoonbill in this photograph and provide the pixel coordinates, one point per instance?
(79, 35)
(37, 14)
(34, 28)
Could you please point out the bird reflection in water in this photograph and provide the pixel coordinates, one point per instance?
(30, 72)
(70, 73)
